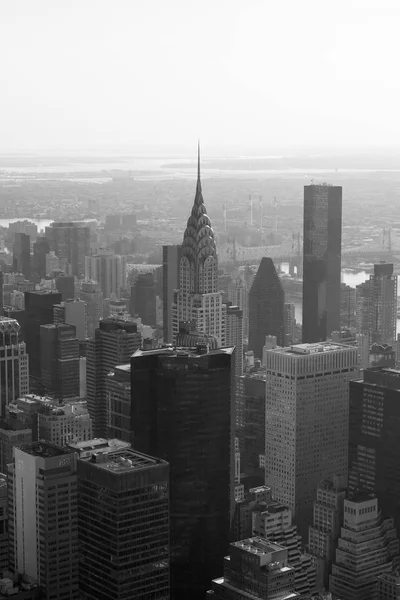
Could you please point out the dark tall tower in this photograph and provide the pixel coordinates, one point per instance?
(22, 254)
(266, 307)
(40, 249)
(144, 298)
(321, 261)
(71, 243)
(171, 259)
(114, 343)
(65, 284)
(59, 360)
(374, 459)
(39, 311)
(183, 411)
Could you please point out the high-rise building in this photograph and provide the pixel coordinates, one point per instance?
(238, 294)
(389, 586)
(234, 335)
(347, 306)
(198, 298)
(72, 312)
(71, 243)
(22, 254)
(40, 248)
(367, 548)
(123, 499)
(266, 307)
(144, 298)
(118, 389)
(39, 311)
(325, 530)
(289, 326)
(114, 343)
(307, 417)
(65, 284)
(183, 412)
(3, 523)
(255, 569)
(374, 463)
(171, 262)
(274, 523)
(109, 270)
(321, 261)
(376, 301)
(43, 518)
(59, 360)
(14, 363)
(12, 433)
(92, 295)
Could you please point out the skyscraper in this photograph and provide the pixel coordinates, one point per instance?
(43, 518)
(118, 389)
(198, 299)
(39, 311)
(171, 261)
(347, 306)
(266, 307)
(40, 248)
(71, 243)
(289, 328)
(108, 269)
(182, 411)
(114, 343)
(367, 548)
(22, 254)
(92, 295)
(65, 284)
(59, 360)
(307, 416)
(238, 294)
(255, 569)
(72, 312)
(234, 335)
(123, 499)
(144, 298)
(321, 261)
(374, 462)
(14, 363)
(377, 305)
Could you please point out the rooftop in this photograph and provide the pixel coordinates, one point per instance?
(45, 449)
(118, 459)
(189, 352)
(257, 545)
(307, 349)
(99, 445)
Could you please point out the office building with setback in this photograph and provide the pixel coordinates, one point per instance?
(114, 343)
(307, 416)
(183, 412)
(374, 461)
(321, 261)
(43, 518)
(255, 569)
(367, 548)
(123, 499)
(39, 311)
(266, 307)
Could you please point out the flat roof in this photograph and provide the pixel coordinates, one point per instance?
(257, 545)
(311, 349)
(45, 449)
(182, 351)
(120, 460)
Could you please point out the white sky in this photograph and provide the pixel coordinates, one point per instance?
(238, 73)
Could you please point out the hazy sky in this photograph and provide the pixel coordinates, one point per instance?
(236, 73)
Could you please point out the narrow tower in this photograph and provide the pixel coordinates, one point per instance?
(198, 300)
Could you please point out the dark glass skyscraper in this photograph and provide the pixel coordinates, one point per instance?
(374, 459)
(144, 298)
(266, 307)
(22, 254)
(40, 249)
(183, 412)
(39, 311)
(321, 261)
(59, 360)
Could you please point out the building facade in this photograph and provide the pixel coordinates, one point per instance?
(266, 307)
(183, 412)
(144, 298)
(124, 552)
(307, 416)
(114, 343)
(170, 278)
(108, 270)
(59, 360)
(39, 311)
(70, 241)
(43, 518)
(321, 261)
(118, 389)
(92, 295)
(234, 335)
(14, 363)
(22, 254)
